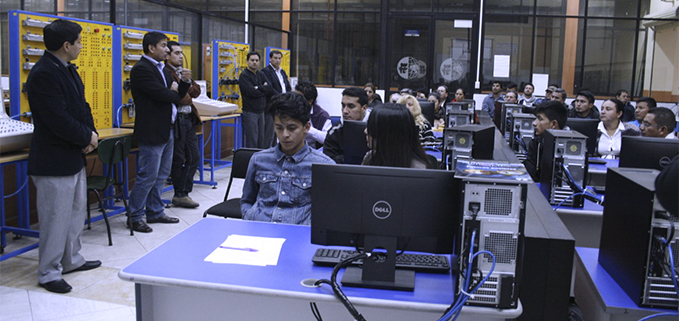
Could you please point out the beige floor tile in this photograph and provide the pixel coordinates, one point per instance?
(14, 304)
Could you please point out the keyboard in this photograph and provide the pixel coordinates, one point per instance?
(416, 262)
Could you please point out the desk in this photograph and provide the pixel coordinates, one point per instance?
(114, 132)
(599, 296)
(216, 145)
(174, 283)
(20, 160)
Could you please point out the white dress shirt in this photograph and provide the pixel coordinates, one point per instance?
(609, 146)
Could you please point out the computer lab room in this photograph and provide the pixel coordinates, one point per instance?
(339, 160)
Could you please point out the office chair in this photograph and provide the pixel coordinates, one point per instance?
(111, 151)
(231, 207)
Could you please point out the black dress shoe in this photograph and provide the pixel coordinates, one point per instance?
(87, 266)
(164, 219)
(140, 226)
(58, 286)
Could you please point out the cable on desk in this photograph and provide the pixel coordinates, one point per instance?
(338, 290)
(468, 290)
(315, 311)
(18, 190)
(663, 314)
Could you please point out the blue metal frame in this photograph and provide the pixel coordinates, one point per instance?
(23, 215)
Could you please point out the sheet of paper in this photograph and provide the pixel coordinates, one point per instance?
(248, 250)
(501, 66)
(540, 82)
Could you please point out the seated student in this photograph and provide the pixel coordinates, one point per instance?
(548, 115)
(439, 112)
(584, 106)
(277, 185)
(460, 95)
(659, 122)
(374, 98)
(393, 138)
(644, 104)
(320, 119)
(611, 129)
(354, 107)
(424, 128)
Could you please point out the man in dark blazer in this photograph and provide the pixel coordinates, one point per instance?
(278, 79)
(155, 96)
(64, 132)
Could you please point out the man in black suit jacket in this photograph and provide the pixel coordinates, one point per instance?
(278, 79)
(155, 96)
(64, 132)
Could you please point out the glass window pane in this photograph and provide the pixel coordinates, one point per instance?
(76, 6)
(608, 8)
(264, 37)
(221, 29)
(358, 5)
(507, 37)
(410, 5)
(509, 6)
(7, 5)
(457, 6)
(269, 19)
(314, 5)
(216, 6)
(609, 56)
(140, 14)
(357, 48)
(312, 47)
(552, 7)
(193, 4)
(549, 49)
(101, 16)
(101, 6)
(44, 6)
(638, 89)
(266, 4)
(409, 52)
(452, 57)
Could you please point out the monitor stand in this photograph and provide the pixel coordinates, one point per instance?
(381, 273)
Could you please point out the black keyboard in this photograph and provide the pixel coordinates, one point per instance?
(416, 262)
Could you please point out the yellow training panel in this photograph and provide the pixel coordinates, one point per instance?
(230, 59)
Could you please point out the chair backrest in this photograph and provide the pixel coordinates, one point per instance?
(114, 150)
(239, 168)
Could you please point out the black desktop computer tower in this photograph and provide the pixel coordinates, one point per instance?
(563, 148)
(521, 133)
(468, 142)
(495, 209)
(458, 117)
(631, 250)
(507, 111)
(459, 105)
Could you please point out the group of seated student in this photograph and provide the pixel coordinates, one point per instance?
(439, 112)
(277, 186)
(424, 128)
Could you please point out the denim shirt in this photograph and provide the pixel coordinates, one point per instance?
(277, 187)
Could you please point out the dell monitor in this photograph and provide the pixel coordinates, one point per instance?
(354, 143)
(384, 210)
(647, 152)
(587, 127)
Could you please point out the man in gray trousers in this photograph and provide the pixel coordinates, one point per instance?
(64, 132)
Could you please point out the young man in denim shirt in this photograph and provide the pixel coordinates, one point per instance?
(277, 185)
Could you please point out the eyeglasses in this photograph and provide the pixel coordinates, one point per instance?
(647, 124)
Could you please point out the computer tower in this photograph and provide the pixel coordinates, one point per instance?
(631, 248)
(458, 117)
(459, 105)
(495, 209)
(467, 142)
(563, 148)
(521, 133)
(507, 110)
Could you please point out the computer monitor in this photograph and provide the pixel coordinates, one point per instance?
(647, 152)
(428, 111)
(354, 142)
(384, 209)
(587, 127)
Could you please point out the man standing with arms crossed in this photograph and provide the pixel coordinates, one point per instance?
(186, 153)
(253, 87)
(278, 79)
(155, 97)
(64, 132)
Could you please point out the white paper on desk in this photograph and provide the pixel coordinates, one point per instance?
(267, 250)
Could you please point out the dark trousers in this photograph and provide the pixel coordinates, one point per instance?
(186, 155)
(253, 128)
(269, 134)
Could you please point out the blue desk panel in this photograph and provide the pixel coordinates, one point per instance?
(179, 262)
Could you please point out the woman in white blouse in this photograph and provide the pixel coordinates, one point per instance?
(611, 129)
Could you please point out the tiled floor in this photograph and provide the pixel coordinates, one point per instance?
(98, 294)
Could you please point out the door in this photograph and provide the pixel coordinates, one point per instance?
(430, 51)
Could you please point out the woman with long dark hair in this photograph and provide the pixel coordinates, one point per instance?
(393, 138)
